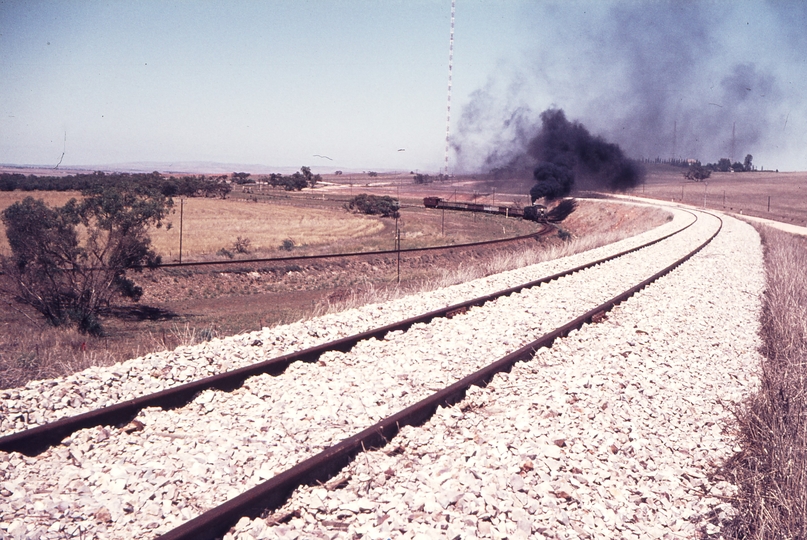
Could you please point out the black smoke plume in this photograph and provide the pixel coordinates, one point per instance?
(552, 181)
(561, 211)
(666, 80)
(567, 156)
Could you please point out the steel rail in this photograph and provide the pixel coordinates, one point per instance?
(36, 440)
(319, 468)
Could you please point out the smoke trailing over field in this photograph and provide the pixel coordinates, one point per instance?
(561, 156)
(568, 156)
(667, 79)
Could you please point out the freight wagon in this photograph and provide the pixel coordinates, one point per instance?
(535, 212)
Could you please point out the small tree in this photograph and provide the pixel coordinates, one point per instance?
(242, 178)
(311, 179)
(275, 180)
(9, 182)
(295, 182)
(70, 262)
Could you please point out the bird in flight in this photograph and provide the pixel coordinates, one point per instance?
(325, 157)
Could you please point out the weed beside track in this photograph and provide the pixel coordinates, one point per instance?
(771, 469)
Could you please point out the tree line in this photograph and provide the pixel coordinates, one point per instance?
(294, 182)
(171, 186)
(696, 171)
(722, 165)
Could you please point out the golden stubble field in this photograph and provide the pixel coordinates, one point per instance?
(212, 224)
(209, 225)
(314, 225)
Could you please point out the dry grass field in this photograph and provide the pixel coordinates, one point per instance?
(741, 193)
(212, 224)
(315, 224)
(771, 469)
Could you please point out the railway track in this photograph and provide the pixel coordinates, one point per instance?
(426, 376)
(35, 440)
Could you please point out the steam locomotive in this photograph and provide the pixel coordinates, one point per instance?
(536, 212)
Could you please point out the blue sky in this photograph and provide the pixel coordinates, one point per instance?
(278, 82)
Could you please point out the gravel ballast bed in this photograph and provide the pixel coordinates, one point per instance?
(187, 460)
(610, 434)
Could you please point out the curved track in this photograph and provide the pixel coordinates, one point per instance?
(328, 461)
(324, 465)
(35, 440)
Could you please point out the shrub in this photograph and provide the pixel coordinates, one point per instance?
(697, 172)
(423, 179)
(311, 179)
(242, 178)
(363, 203)
(242, 245)
(287, 245)
(295, 182)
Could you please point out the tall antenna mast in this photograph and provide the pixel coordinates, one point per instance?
(675, 140)
(734, 125)
(450, 65)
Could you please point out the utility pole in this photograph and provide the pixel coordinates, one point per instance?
(181, 212)
(398, 247)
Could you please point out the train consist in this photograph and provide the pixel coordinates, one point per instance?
(536, 212)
